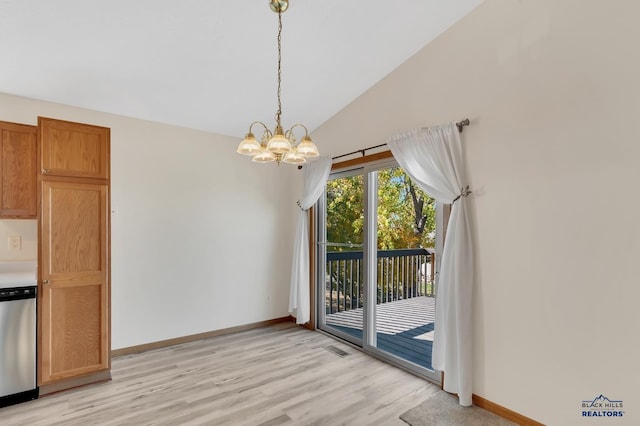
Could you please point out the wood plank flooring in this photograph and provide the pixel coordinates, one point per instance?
(277, 375)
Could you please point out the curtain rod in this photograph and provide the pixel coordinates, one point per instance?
(460, 124)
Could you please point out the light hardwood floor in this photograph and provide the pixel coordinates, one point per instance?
(277, 375)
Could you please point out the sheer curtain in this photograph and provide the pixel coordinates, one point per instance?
(315, 175)
(432, 157)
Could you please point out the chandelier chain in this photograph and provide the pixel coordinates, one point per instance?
(279, 113)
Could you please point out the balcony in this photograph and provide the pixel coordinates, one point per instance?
(405, 305)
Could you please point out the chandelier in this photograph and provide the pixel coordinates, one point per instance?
(278, 145)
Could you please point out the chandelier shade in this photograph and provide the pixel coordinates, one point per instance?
(307, 148)
(264, 156)
(294, 157)
(278, 145)
(249, 145)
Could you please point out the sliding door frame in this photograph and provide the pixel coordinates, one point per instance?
(320, 260)
(368, 167)
(369, 344)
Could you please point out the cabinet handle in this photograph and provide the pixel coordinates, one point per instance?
(45, 171)
(45, 282)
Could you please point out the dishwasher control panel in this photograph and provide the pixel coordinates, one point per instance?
(17, 293)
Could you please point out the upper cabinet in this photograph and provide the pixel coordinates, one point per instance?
(18, 171)
(73, 149)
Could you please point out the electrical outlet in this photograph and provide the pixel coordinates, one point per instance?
(15, 243)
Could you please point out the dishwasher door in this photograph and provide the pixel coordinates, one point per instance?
(17, 344)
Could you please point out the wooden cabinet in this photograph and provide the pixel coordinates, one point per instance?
(74, 149)
(75, 291)
(74, 227)
(18, 171)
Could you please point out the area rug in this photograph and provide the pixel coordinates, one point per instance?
(443, 409)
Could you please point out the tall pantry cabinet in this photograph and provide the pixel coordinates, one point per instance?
(74, 244)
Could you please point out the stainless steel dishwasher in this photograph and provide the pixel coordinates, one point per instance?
(18, 292)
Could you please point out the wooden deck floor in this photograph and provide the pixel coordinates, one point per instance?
(404, 328)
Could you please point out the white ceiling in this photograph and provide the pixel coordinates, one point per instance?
(211, 64)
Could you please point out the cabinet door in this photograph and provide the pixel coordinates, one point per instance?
(74, 316)
(74, 149)
(18, 170)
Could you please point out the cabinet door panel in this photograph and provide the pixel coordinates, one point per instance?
(75, 338)
(18, 170)
(74, 149)
(75, 291)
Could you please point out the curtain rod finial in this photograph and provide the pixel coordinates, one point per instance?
(461, 124)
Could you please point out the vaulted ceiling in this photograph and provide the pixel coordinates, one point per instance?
(211, 64)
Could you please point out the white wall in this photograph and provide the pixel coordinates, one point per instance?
(27, 230)
(553, 153)
(202, 238)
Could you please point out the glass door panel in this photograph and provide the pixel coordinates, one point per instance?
(404, 269)
(341, 278)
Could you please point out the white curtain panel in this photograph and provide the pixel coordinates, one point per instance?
(432, 157)
(315, 175)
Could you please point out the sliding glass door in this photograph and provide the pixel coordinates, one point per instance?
(377, 260)
(340, 281)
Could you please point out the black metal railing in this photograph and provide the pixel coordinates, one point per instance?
(401, 274)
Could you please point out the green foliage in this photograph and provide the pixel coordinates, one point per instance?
(406, 215)
(345, 212)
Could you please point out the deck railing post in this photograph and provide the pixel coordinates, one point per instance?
(359, 275)
(330, 266)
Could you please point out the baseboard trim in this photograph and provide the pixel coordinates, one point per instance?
(101, 376)
(503, 412)
(193, 337)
